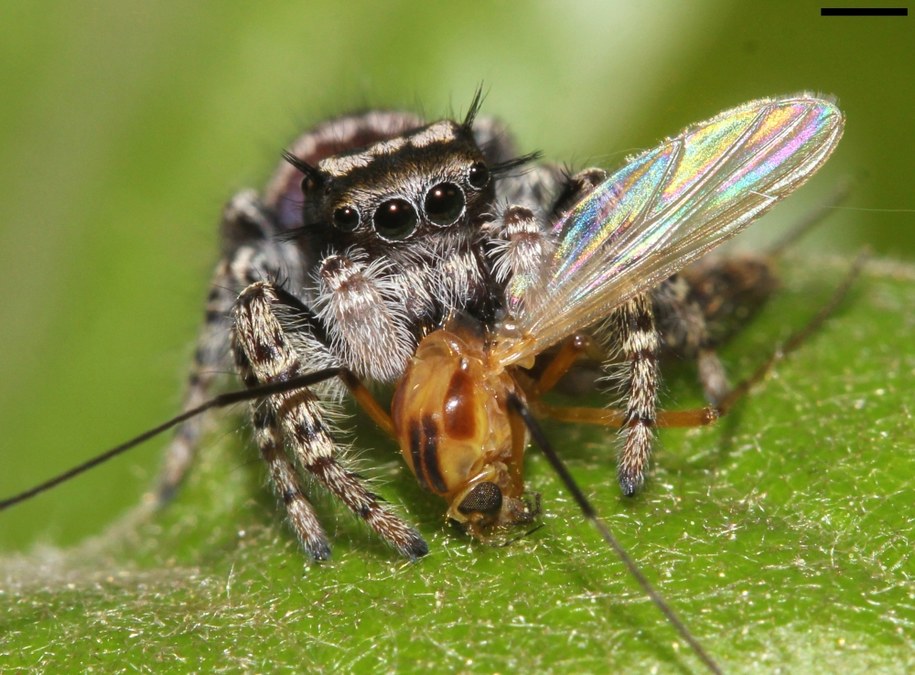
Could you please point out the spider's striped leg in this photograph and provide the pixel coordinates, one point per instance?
(521, 239)
(701, 307)
(283, 474)
(271, 339)
(287, 484)
(634, 328)
(250, 254)
(210, 358)
(685, 333)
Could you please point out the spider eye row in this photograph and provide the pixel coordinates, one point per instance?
(397, 218)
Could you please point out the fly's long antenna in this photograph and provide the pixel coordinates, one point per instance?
(220, 401)
(811, 220)
(590, 513)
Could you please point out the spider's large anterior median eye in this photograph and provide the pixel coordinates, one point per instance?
(346, 218)
(444, 203)
(395, 219)
(478, 177)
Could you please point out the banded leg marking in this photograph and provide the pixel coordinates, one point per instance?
(210, 360)
(262, 343)
(639, 347)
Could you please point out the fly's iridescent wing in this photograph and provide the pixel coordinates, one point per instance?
(666, 208)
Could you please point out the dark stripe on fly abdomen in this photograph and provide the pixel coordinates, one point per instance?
(416, 440)
(430, 454)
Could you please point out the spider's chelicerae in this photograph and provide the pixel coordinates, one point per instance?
(379, 230)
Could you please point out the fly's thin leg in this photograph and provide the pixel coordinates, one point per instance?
(810, 221)
(710, 300)
(798, 338)
(614, 418)
(367, 402)
(696, 417)
(573, 349)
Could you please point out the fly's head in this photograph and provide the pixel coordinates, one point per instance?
(486, 510)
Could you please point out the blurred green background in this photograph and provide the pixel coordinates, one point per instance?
(125, 126)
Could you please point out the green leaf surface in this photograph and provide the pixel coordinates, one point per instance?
(783, 537)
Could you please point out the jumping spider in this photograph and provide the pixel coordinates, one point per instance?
(380, 229)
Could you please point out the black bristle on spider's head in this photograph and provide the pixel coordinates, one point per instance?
(311, 173)
(504, 168)
(475, 104)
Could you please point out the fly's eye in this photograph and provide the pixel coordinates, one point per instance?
(346, 218)
(444, 203)
(395, 219)
(484, 497)
(478, 177)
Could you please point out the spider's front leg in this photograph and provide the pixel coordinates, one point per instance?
(272, 342)
(521, 236)
(520, 247)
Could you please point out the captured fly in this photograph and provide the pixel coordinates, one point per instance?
(599, 263)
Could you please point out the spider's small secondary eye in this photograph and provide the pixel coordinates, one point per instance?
(444, 203)
(478, 176)
(395, 219)
(346, 218)
(308, 184)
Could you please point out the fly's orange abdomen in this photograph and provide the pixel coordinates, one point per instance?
(451, 421)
